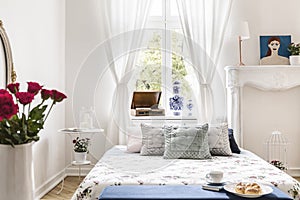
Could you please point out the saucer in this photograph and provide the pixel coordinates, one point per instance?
(210, 182)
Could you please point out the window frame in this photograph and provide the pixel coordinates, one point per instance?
(166, 23)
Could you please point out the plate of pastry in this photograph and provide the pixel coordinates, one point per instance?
(248, 190)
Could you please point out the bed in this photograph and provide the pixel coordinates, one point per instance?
(120, 167)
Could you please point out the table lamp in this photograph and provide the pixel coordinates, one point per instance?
(241, 30)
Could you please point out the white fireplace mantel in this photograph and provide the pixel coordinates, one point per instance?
(267, 77)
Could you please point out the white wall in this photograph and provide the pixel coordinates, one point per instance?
(266, 17)
(83, 35)
(36, 33)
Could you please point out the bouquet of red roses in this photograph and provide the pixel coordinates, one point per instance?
(19, 123)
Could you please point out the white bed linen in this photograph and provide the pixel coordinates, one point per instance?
(118, 167)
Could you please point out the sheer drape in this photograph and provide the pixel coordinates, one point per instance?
(120, 17)
(204, 23)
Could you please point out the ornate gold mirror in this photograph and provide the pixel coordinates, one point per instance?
(8, 74)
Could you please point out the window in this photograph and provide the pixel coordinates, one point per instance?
(162, 64)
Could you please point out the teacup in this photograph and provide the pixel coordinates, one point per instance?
(214, 176)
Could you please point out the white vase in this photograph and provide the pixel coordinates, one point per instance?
(80, 157)
(16, 172)
(295, 60)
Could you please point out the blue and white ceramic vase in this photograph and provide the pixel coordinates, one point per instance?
(176, 102)
(176, 87)
(190, 106)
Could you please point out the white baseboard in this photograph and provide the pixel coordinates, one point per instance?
(56, 179)
(294, 171)
(49, 185)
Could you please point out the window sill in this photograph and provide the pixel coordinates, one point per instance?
(189, 118)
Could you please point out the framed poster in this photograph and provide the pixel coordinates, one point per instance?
(273, 50)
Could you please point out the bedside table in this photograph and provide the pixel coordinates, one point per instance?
(77, 132)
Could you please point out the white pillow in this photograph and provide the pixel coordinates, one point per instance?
(134, 140)
(153, 141)
(218, 140)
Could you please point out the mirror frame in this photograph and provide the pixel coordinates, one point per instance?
(10, 72)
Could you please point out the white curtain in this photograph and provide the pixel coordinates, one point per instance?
(124, 20)
(204, 23)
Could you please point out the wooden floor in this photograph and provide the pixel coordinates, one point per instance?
(70, 185)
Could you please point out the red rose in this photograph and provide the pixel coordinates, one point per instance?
(57, 96)
(5, 97)
(2, 91)
(25, 97)
(46, 94)
(7, 106)
(33, 87)
(13, 87)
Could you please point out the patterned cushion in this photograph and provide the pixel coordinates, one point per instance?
(186, 142)
(218, 140)
(233, 145)
(153, 141)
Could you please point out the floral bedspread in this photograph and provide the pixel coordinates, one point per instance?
(117, 167)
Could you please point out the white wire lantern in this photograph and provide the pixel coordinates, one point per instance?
(277, 150)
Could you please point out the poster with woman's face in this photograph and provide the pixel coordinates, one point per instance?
(273, 50)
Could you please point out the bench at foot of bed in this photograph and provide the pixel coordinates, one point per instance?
(167, 192)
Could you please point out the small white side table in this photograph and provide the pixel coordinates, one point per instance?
(77, 132)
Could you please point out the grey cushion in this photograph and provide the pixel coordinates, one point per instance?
(186, 142)
(218, 140)
(153, 141)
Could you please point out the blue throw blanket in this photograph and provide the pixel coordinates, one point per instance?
(188, 192)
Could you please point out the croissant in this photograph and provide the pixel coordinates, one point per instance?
(248, 188)
(240, 189)
(251, 190)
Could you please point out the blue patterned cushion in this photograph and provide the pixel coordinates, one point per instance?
(186, 142)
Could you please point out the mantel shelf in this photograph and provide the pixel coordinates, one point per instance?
(267, 77)
(263, 67)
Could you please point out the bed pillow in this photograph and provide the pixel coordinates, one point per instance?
(153, 141)
(189, 143)
(218, 140)
(233, 145)
(134, 140)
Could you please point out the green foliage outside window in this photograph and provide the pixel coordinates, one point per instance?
(150, 62)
